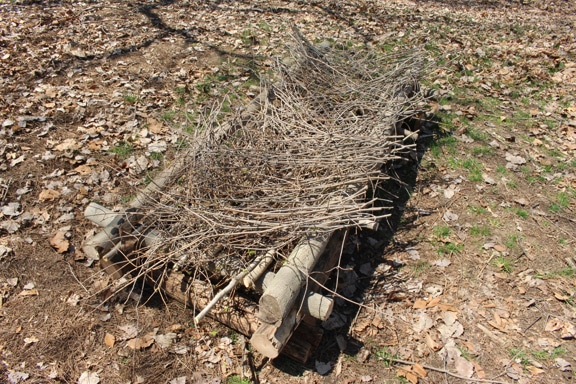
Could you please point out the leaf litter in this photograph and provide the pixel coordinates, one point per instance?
(66, 113)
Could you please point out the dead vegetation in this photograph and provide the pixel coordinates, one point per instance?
(477, 279)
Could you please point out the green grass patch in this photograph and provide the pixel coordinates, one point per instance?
(443, 145)
(477, 135)
(567, 272)
(522, 213)
(123, 149)
(562, 202)
(168, 116)
(131, 98)
(479, 151)
(235, 379)
(420, 267)
(450, 248)
(441, 231)
(480, 230)
(478, 210)
(385, 355)
(503, 263)
(519, 355)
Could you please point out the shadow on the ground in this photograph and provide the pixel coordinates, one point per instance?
(369, 247)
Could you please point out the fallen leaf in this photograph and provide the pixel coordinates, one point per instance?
(479, 370)
(165, 341)
(561, 297)
(443, 263)
(129, 331)
(88, 377)
(181, 350)
(434, 302)
(568, 331)
(59, 242)
(30, 340)
(16, 377)
(424, 322)
(408, 374)
(420, 304)
(516, 160)
(67, 145)
(562, 364)
(553, 325)
(178, 380)
(11, 209)
(141, 342)
(535, 371)
(109, 340)
(29, 292)
(463, 367)
(449, 216)
(419, 370)
(433, 343)
(322, 368)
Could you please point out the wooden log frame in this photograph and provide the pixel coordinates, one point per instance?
(289, 295)
(236, 311)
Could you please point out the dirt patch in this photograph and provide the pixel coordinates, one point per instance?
(477, 278)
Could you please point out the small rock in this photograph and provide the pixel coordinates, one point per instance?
(449, 216)
(562, 364)
(323, 368)
(443, 263)
(12, 209)
(516, 160)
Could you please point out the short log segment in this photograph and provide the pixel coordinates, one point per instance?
(279, 297)
(235, 312)
(272, 339)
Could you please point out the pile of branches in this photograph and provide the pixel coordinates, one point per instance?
(308, 160)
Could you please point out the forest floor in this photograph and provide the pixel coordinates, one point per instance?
(478, 281)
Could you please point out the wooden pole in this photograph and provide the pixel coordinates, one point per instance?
(279, 298)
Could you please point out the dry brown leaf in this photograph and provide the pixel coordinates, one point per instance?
(59, 242)
(433, 342)
(48, 195)
(409, 375)
(447, 307)
(141, 342)
(497, 326)
(535, 371)
(434, 302)
(109, 340)
(417, 368)
(553, 325)
(29, 292)
(479, 370)
(560, 296)
(419, 304)
(83, 169)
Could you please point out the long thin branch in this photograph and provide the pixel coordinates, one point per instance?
(431, 368)
(233, 283)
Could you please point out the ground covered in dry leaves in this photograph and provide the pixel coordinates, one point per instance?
(478, 280)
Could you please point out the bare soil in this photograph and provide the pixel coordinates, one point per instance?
(473, 278)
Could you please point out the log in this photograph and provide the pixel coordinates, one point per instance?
(271, 339)
(313, 304)
(279, 298)
(237, 313)
(99, 215)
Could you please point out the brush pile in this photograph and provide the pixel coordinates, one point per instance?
(302, 161)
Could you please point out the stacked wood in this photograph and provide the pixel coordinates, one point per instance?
(263, 202)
